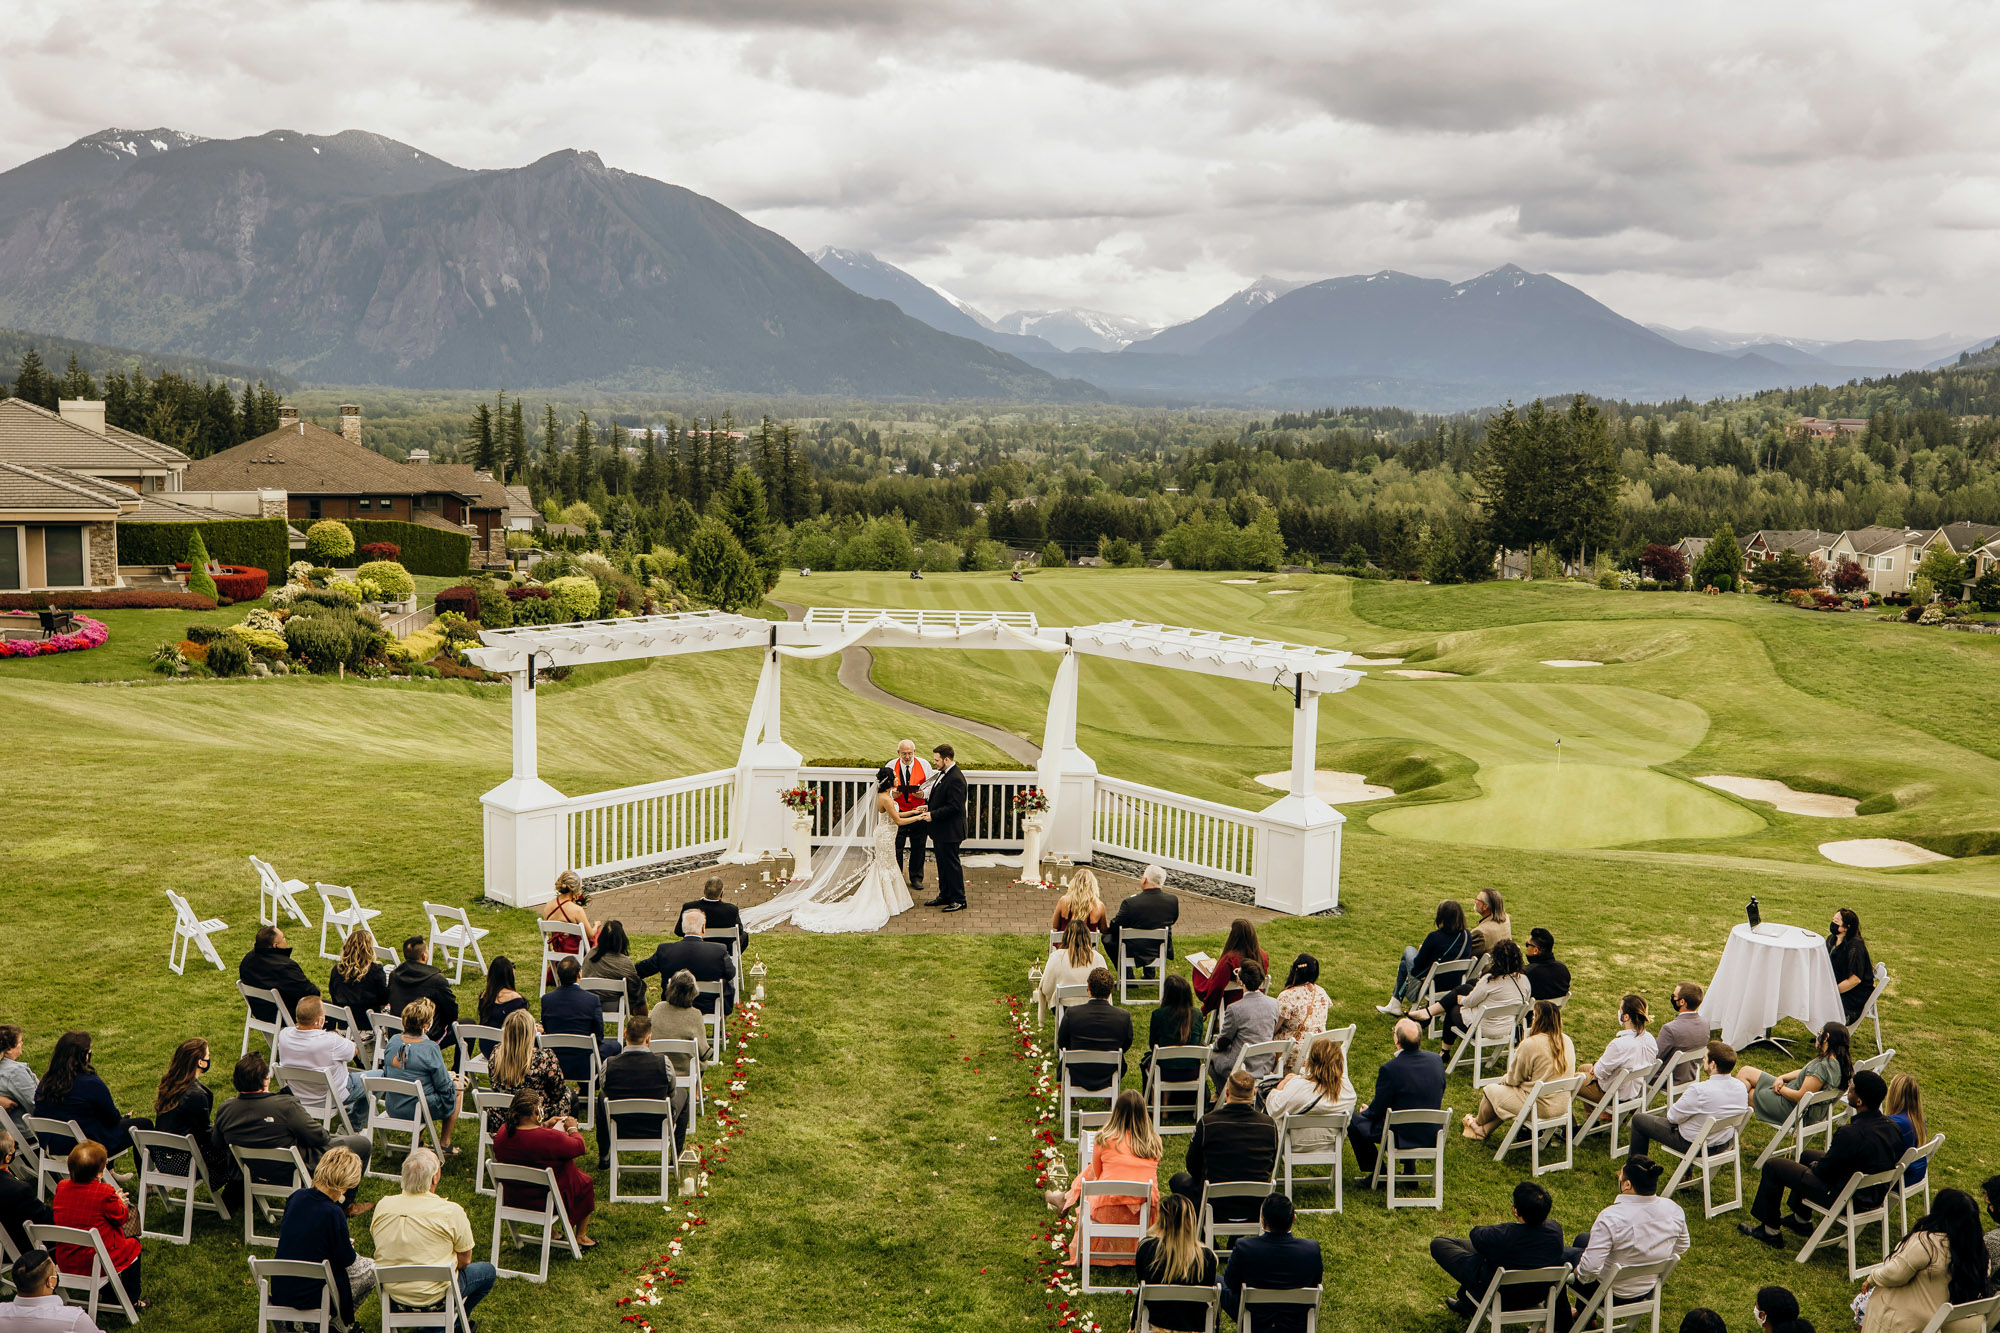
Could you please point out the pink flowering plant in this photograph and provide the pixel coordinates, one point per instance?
(88, 633)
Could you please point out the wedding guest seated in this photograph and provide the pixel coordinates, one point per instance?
(716, 913)
(703, 959)
(269, 966)
(184, 1105)
(1095, 1025)
(1853, 969)
(525, 1140)
(1172, 1255)
(1248, 1020)
(1477, 1006)
(1632, 1048)
(71, 1090)
(1941, 1261)
(1448, 942)
(358, 983)
(1905, 1109)
(636, 1074)
(418, 1227)
(1701, 1319)
(414, 1056)
(1127, 1148)
(1687, 1030)
(1321, 1085)
(1868, 1143)
(1772, 1097)
(517, 1063)
(256, 1117)
(1220, 980)
(1639, 1227)
(314, 1228)
(415, 979)
(1302, 1008)
(500, 1000)
(1411, 1080)
(1174, 1022)
(1234, 1143)
(1494, 924)
(1531, 1240)
(610, 959)
(1275, 1260)
(1547, 1053)
(569, 906)
(1990, 1188)
(1548, 976)
(17, 1081)
(36, 1308)
(1081, 901)
(1151, 908)
(675, 1017)
(308, 1045)
(19, 1204)
(1777, 1311)
(1070, 963)
(571, 1011)
(1719, 1093)
(88, 1202)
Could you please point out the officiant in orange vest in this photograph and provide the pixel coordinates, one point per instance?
(910, 777)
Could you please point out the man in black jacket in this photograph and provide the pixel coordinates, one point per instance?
(636, 1074)
(1869, 1143)
(1234, 1143)
(1411, 1081)
(1151, 908)
(571, 1011)
(416, 979)
(269, 966)
(256, 1117)
(1095, 1025)
(1548, 979)
(705, 960)
(19, 1204)
(944, 818)
(1275, 1261)
(716, 914)
(1531, 1240)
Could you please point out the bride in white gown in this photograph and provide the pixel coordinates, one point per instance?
(856, 885)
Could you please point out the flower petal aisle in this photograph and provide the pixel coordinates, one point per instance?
(663, 1274)
(1059, 1282)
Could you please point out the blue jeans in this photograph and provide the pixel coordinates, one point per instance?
(475, 1281)
(1403, 971)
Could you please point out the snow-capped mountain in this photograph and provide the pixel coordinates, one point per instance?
(1872, 354)
(1076, 329)
(1226, 317)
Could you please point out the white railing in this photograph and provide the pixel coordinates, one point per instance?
(659, 821)
(409, 622)
(1147, 824)
(991, 822)
(847, 617)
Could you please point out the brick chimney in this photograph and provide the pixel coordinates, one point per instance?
(84, 412)
(287, 416)
(350, 422)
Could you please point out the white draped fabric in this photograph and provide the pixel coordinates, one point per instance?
(1767, 976)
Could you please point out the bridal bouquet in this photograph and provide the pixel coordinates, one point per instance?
(804, 800)
(1031, 800)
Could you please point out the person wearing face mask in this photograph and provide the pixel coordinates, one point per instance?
(1777, 1311)
(1853, 969)
(1867, 1144)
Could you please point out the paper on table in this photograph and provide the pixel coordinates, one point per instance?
(1201, 963)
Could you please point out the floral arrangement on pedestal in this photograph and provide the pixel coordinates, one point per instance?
(87, 633)
(800, 800)
(1031, 801)
(1045, 1163)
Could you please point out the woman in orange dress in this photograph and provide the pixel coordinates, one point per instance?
(1127, 1148)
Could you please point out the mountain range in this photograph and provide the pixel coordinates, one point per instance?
(1859, 356)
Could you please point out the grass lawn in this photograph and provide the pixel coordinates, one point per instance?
(881, 1171)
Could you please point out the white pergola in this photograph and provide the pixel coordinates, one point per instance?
(528, 841)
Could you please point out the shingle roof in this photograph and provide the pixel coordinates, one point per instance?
(31, 434)
(425, 518)
(159, 507)
(1968, 536)
(1803, 540)
(520, 500)
(484, 491)
(1874, 540)
(28, 486)
(305, 459)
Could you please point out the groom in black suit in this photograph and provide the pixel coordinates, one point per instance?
(945, 812)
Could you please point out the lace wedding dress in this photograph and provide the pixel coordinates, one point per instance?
(844, 897)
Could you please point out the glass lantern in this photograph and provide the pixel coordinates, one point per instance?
(1034, 973)
(690, 1168)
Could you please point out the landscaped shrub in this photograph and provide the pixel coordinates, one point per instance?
(265, 619)
(203, 633)
(391, 580)
(1608, 579)
(379, 551)
(419, 647)
(419, 549)
(339, 593)
(455, 628)
(461, 599)
(87, 633)
(576, 595)
(199, 579)
(107, 599)
(259, 543)
(329, 540)
(263, 642)
(196, 653)
(324, 637)
(241, 583)
(537, 610)
(495, 611)
(229, 656)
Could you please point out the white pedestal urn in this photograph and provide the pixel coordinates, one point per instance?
(1033, 824)
(802, 844)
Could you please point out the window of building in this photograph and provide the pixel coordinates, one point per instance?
(362, 504)
(62, 550)
(10, 558)
(313, 510)
(386, 505)
(1887, 562)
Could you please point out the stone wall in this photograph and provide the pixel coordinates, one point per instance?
(102, 539)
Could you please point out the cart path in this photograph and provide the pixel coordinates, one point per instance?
(856, 673)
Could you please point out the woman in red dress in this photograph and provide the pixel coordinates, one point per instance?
(89, 1202)
(525, 1141)
(1240, 947)
(568, 906)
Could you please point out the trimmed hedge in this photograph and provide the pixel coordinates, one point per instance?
(261, 543)
(424, 550)
(239, 583)
(107, 599)
(461, 599)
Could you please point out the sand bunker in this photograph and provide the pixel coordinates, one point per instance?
(1333, 786)
(1282, 592)
(1568, 662)
(1373, 661)
(1424, 675)
(1785, 798)
(1243, 580)
(1876, 853)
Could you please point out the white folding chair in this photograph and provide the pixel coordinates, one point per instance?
(1871, 1011)
(1256, 1050)
(1903, 1189)
(188, 929)
(51, 1163)
(1208, 1297)
(1852, 1218)
(551, 930)
(1614, 1312)
(315, 1093)
(1108, 1061)
(514, 1216)
(268, 1313)
(388, 1275)
(1806, 1119)
(1157, 1087)
(339, 1018)
(267, 1197)
(1540, 1129)
(1220, 1191)
(1293, 1160)
(1290, 1298)
(482, 1103)
(684, 1057)
(662, 1144)
(1480, 1044)
(1441, 979)
(1090, 1229)
(586, 1087)
(467, 1036)
(339, 909)
(384, 1026)
(379, 1088)
(1704, 1154)
(1667, 1082)
(1986, 1310)
(1345, 1036)
(1609, 1111)
(730, 938)
(453, 936)
(1133, 973)
(102, 1279)
(28, 1145)
(270, 1027)
(614, 989)
(715, 1019)
(278, 898)
(1394, 1155)
(188, 1184)
(1495, 1317)
(1067, 996)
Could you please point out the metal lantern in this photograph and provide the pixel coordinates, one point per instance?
(1034, 973)
(786, 863)
(1058, 1173)
(690, 1165)
(1051, 868)
(757, 968)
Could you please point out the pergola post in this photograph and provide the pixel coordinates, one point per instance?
(523, 817)
(1305, 744)
(1298, 856)
(765, 767)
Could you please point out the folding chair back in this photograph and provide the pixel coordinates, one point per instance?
(278, 898)
(1609, 1112)
(714, 1018)
(1479, 1043)
(483, 1102)
(1210, 1298)
(1986, 1310)
(1703, 1153)
(1132, 973)
(1614, 1311)
(1810, 1115)
(1067, 996)
(1872, 1011)
(340, 910)
(586, 1086)
(188, 1183)
(269, 1027)
(314, 1089)
(1903, 1189)
(455, 936)
(1158, 1086)
(1252, 1298)
(102, 1279)
(684, 1058)
(1667, 1078)
(53, 1140)
(264, 1196)
(662, 1142)
(1294, 1161)
(1492, 1314)
(339, 1018)
(263, 1270)
(379, 1088)
(1345, 1036)
(28, 1145)
(1537, 1129)
(1090, 1229)
(730, 938)
(388, 1275)
(1217, 1191)
(1877, 1062)
(513, 1216)
(467, 1037)
(1108, 1061)
(1851, 1217)
(552, 931)
(613, 989)
(1394, 1154)
(188, 929)
(1441, 978)
(384, 1027)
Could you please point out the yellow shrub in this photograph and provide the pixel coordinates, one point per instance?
(261, 641)
(419, 647)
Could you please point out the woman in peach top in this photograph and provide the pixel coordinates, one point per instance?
(1127, 1148)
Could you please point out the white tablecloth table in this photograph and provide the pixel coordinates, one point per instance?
(1765, 977)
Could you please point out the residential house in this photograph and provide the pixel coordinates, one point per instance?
(1768, 544)
(522, 516)
(1692, 549)
(1978, 544)
(1818, 429)
(1889, 556)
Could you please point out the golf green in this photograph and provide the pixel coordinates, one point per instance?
(1572, 805)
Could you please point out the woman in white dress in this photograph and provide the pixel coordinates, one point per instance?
(842, 898)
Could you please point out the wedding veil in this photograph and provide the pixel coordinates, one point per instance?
(838, 865)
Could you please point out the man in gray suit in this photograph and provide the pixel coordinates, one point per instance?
(1253, 1018)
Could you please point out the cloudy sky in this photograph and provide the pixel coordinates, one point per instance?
(1818, 170)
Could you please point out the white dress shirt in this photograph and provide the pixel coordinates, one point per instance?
(1724, 1094)
(316, 1048)
(1635, 1229)
(1627, 1050)
(44, 1314)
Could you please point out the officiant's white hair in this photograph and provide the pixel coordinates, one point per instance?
(1154, 874)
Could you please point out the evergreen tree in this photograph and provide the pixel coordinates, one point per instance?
(649, 487)
(479, 438)
(517, 445)
(769, 462)
(717, 569)
(218, 431)
(576, 471)
(678, 522)
(801, 496)
(1777, 577)
(614, 467)
(33, 383)
(1720, 563)
(740, 506)
(551, 450)
(246, 412)
(1585, 463)
(267, 410)
(76, 381)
